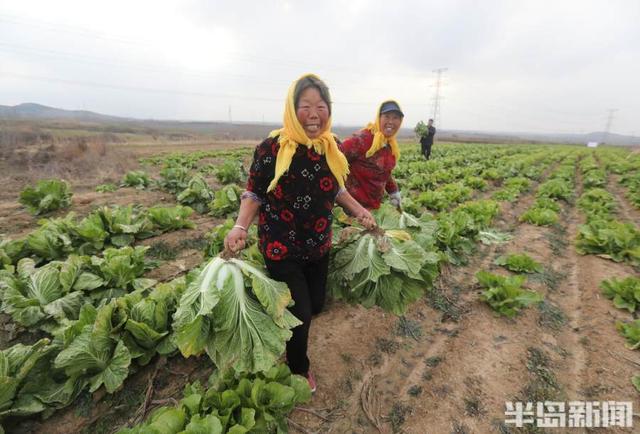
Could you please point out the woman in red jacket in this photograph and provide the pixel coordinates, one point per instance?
(372, 154)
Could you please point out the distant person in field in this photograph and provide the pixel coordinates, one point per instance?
(426, 141)
(296, 176)
(372, 154)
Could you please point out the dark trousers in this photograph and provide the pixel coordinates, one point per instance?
(307, 282)
(426, 150)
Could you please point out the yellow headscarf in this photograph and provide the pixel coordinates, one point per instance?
(378, 137)
(291, 134)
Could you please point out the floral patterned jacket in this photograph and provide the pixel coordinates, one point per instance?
(295, 217)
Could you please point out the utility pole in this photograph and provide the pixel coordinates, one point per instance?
(230, 119)
(436, 99)
(605, 136)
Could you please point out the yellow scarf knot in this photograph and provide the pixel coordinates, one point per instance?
(379, 139)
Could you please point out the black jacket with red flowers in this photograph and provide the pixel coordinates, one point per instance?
(295, 217)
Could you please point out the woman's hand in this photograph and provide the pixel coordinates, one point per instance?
(236, 239)
(396, 200)
(365, 218)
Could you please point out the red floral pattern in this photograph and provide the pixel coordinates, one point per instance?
(276, 251)
(286, 215)
(295, 217)
(321, 224)
(277, 192)
(326, 184)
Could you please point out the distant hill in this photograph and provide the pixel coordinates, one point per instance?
(523, 137)
(255, 130)
(31, 110)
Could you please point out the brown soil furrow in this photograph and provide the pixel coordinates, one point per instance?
(489, 352)
(606, 375)
(570, 299)
(445, 376)
(491, 360)
(469, 364)
(340, 350)
(626, 210)
(589, 370)
(472, 361)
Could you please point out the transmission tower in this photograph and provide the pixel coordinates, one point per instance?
(436, 99)
(605, 135)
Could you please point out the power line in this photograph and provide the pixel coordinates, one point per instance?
(484, 115)
(148, 43)
(172, 91)
(163, 69)
(57, 27)
(155, 69)
(135, 88)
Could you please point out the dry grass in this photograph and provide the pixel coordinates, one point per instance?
(83, 163)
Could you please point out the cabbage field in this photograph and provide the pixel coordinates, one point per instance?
(509, 274)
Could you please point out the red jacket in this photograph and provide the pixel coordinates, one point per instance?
(368, 177)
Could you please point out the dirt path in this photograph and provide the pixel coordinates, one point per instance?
(448, 366)
(84, 171)
(455, 376)
(592, 339)
(448, 374)
(625, 209)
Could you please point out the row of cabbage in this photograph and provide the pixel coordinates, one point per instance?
(441, 184)
(107, 226)
(604, 233)
(390, 267)
(101, 321)
(77, 288)
(560, 186)
(179, 175)
(626, 165)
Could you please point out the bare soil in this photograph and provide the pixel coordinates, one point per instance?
(455, 376)
(448, 366)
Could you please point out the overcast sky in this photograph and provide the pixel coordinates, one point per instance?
(546, 66)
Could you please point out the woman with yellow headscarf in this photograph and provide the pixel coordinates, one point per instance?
(296, 177)
(372, 154)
